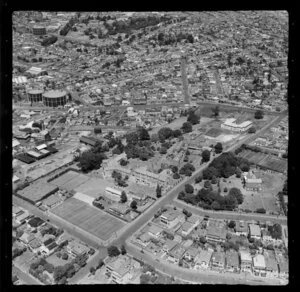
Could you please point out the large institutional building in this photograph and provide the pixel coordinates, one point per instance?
(230, 124)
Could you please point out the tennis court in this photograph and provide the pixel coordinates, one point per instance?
(90, 219)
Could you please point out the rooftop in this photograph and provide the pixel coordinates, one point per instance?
(55, 93)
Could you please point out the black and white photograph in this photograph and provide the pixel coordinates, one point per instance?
(150, 147)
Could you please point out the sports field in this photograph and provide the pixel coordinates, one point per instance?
(253, 157)
(88, 218)
(264, 160)
(70, 180)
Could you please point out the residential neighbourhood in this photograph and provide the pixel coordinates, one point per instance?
(150, 147)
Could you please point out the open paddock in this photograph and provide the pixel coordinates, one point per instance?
(70, 180)
(88, 218)
(94, 187)
(214, 132)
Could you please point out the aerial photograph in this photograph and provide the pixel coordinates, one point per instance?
(150, 147)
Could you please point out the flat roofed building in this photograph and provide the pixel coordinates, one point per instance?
(113, 193)
(202, 260)
(218, 260)
(76, 248)
(232, 261)
(171, 218)
(259, 265)
(246, 261)
(254, 231)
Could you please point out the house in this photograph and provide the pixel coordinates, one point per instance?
(252, 183)
(76, 248)
(268, 239)
(241, 228)
(143, 239)
(246, 261)
(155, 231)
(27, 237)
(171, 218)
(169, 245)
(259, 265)
(117, 268)
(20, 219)
(176, 254)
(202, 260)
(232, 261)
(113, 194)
(119, 209)
(35, 245)
(191, 253)
(271, 264)
(216, 231)
(218, 260)
(254, 231)
(88, 140)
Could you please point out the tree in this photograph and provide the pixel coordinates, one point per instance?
(235, 192)
(176, 175)
(207, 184)
(216, 111)
(238, 173)
(123, 162)
(177, 133)
(64, 256)
(174, 168)
(92, 270)
(205, 155)
(202, 239)
(218, 148)
(165, 133)
(133, 205)
(261, 210)
(187, 169)
(259, 114)
(187, 127)
(198, 179)
(89, 160)
(123, 197)
(158, 191)
(276, 231)
(113, 251)
(188, 188)
(143, 134)
(123, 250)
(231, 224)
(193, 118)
(214, 180)
(252, 130)
(163, 150)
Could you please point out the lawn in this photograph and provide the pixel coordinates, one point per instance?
(88, 218)
(25, 260)
(56, 261)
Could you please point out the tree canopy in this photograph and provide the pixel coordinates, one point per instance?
(259, 114)
(113, 251)
(89, 160)
(187, 127)
(193, 118)
(205, 155)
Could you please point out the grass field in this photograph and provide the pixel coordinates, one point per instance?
(56, 261)
(88, 218)
(70, 180)
(214, 132)
(94, 187)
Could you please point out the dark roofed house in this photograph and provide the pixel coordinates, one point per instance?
(35, 222)
(88, 140)
(48, 242)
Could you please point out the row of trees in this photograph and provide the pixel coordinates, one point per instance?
(209, 199)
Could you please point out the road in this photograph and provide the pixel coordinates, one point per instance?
(230, 215)
(200, 277)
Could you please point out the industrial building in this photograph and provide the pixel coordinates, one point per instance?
(55, 98)
(35, 95)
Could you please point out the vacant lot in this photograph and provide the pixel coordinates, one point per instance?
(88, 218)
(24, 261)
(253, 157)
(94, 187)
(214, 132)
